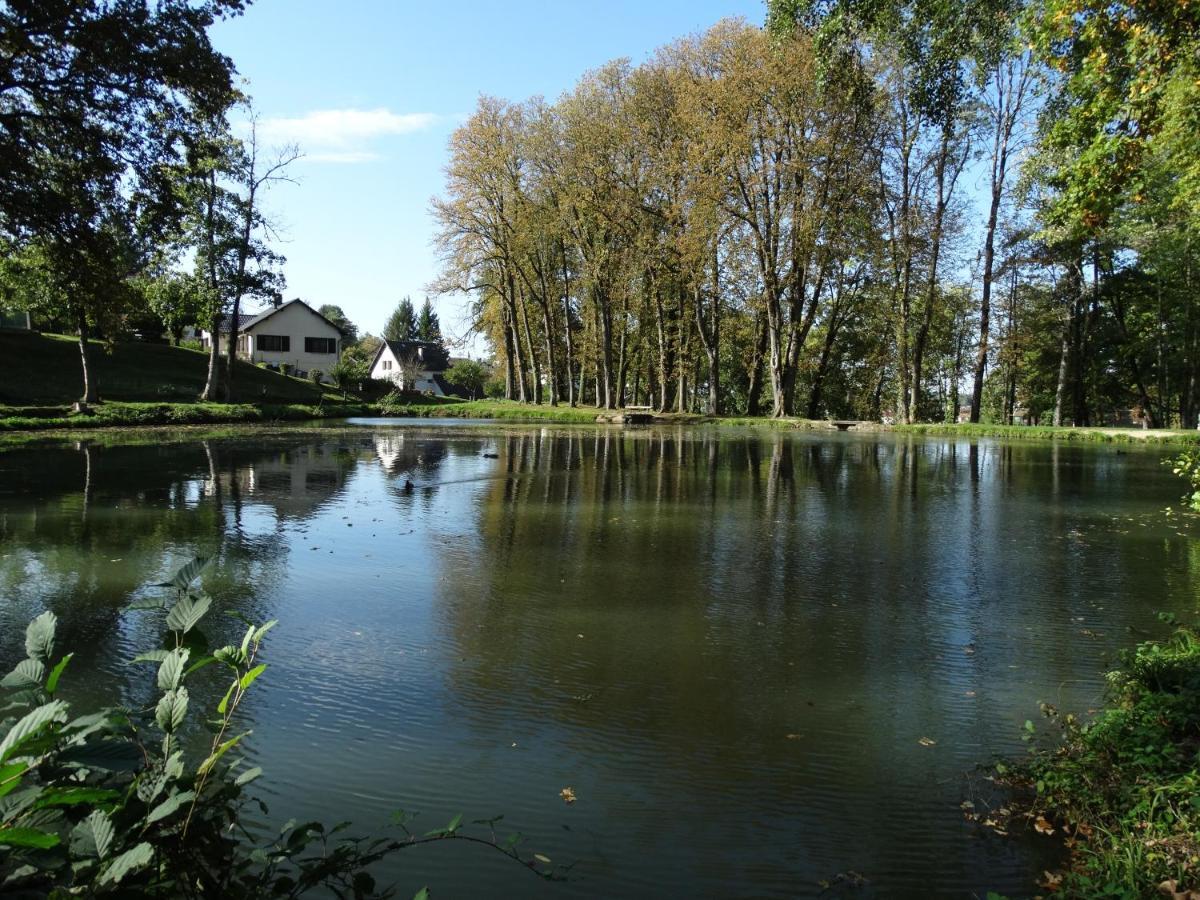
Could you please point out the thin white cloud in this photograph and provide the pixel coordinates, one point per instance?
(342, 135)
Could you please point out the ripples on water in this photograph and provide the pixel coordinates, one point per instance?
(728, 643)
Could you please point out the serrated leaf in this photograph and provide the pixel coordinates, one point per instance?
(56, 673)
(187, 611)
(231, 656)
(171, 670)
(93, 836)
(172, 709)
(129, 861)
(224, 748)
(170, 806)
(28, 674)
(250, 677)
(187, 573)
(39, 636)
(31, 724)
(27, 837)
(75, 797)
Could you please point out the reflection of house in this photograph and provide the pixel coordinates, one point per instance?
(292, 334)
(412, 366)
(294, 482)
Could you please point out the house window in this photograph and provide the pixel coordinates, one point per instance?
(387, 364)
(320, 345)
(279, 343)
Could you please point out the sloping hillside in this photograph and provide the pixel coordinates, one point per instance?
(43, 369)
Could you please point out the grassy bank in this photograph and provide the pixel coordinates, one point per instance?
(1047, 432)
(510, 410)
(1124, 789)
(43, 370)
(116, 415)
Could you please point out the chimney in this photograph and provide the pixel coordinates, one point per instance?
(277, 300)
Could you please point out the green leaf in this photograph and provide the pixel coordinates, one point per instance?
(75, 797)
(171, 670)
(28, 674)
(207, 765)
(187, 573)
(110, 756)
(39, 636)
(27, 837)
(224, 704)
(187, 611)
(263, 629)
(171, 709)
(170, 806)
(93, 836)
(153, 656)
(129, 861)
(422, 894)
(250, 677)
(248, 776)
(31, 724)
(10, 776)
(199, 664)
(56, 673)
(454, 823)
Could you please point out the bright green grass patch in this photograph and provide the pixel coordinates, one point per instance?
(1046, 432)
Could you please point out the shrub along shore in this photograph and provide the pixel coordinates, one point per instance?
(160, 414)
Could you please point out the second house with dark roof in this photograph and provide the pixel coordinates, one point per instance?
(292, 334)
(415, 366)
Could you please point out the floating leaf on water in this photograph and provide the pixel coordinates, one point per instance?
(926, 742)
(567, 794)
(542, 859)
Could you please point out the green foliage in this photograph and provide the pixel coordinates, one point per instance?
(429, 328)
(1124, 787)
(112, 803)
(470, 376)
(1187, 466)
(402, 323)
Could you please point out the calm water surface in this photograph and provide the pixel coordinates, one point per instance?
(729, 643)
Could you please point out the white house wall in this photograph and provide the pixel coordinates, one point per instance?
(422, 383)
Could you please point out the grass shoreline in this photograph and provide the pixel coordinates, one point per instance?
(121, 415)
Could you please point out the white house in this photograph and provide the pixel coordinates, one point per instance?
(292, 334)
(412, 366)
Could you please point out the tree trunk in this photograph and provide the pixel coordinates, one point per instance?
(209, 394)
(754, 389)
(91, 393)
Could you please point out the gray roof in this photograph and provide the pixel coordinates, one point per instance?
(409, 348)
(249, 320)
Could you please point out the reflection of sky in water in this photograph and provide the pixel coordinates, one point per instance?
(729, 643)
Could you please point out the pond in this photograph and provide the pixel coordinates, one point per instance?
(762, 660)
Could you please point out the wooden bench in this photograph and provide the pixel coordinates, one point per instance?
(843, 425)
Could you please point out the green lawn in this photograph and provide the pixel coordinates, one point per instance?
(44, 370)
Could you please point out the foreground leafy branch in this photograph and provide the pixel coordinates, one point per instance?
(111, 802)
(1124, 788)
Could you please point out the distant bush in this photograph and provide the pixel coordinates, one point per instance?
(191, 344)
(315, 375)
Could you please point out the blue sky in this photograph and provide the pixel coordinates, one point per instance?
(372, 89)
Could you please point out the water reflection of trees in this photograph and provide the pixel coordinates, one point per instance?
(731, 589)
